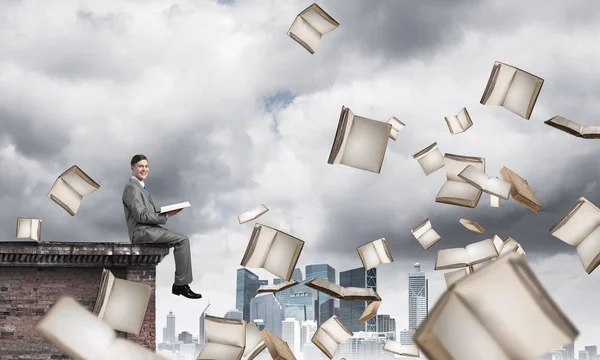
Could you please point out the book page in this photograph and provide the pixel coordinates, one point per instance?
(368, 256)
(282, 255)
(566, 125)
(432, 161)
(591, 130)
(36, 229)
(225, 331)
(167, 208)
(278, 348)
(402, 350)
(24, 228)
(370, 312)
(212, 351)
(472, 225)
(318, 21)
(498, 242)
(274, 288)
(421, 229)
(455, 164)
(589, 249)
(78, 182)
(528, 330)
(459, 190)
(356, 293)
(69, 197)
(497, 187)
(344, 125)
(428, 239)
(494, 201)
(462, 335)
(474, 176)
(451, 258)
(464, 118)
(107, 282)
(308, 35)
(397, 125)
(480, 251)
(452, 277)
(126, 306)
(128, 350)
(502, 85)
(583, 221)
(454, 124)
(520, 93)
(325, 342)
(263, 243)
(325, 286)
(75, 330)
(520, 189)
(336, 330)
(383, 253)
(366, 144)
(252, 214)
(254, 342)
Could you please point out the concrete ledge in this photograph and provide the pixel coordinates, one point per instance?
(80, 254)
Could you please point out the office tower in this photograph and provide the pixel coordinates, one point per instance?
(296, 311)
(165, 336)
(592, 351)
(245, 289)
(406, 337)
(386, 324)
(418, 297)
(303, 295)
(326, 309)
(202, 331)
(290, 333)
(234, 314)
(307, 330)
(350, 311)
(583, 355)
(185, 337)
(266, 307)
(326, 272)
(170, 328)
(283, 296)
(393, 327)
(570, 349)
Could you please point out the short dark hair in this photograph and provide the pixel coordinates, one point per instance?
(137, 158)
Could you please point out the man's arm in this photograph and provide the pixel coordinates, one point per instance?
(133, 200)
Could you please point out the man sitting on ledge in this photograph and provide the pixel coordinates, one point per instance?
(144, 224)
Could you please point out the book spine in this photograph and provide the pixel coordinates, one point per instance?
(339, 135)
(251, 245)
(491, 84)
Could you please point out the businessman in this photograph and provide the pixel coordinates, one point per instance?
(144, 225)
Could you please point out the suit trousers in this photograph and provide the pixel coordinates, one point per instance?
(181, 249)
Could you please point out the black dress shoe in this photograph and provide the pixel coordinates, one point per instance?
(185, 291)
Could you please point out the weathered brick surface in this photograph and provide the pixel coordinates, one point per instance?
(28, 292)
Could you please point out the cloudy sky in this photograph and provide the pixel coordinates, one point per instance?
(233, 113)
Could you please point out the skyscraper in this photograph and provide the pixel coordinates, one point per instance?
(234, 314)
(202, 331)
(570, 348)
(266, 307)
(418, 297)
(592, 351)
(350, 311)
(283, 296)
(290, 333)
(171, 328)
(326, 272)
(245, 289)
(302, 295)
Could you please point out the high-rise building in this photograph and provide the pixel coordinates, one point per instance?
(290, 333)
(201, 330)
(303, 295)
(592, 351)
(406, 337)
(350, 311)
(283, 296)
(296, 311)
(583, 355)
(266, 307)
(307, 330)
(326, 272)
(185, 337)
(165, 336)
(418, 297)
(570, 348)
(234, 314)
(385, 324)
(170, 328)
(246, 285)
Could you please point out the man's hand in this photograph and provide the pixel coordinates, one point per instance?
(171, 213)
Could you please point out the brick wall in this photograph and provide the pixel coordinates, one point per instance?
(29, 287)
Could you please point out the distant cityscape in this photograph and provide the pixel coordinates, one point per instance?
(294, 314)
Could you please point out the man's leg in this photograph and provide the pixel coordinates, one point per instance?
(181, 252)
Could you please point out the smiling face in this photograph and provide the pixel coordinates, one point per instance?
(140, 169)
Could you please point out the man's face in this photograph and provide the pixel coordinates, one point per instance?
(140, 169)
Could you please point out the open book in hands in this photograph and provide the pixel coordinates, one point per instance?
(580, 227)
(374, 253)
(471, 254)
(425, 234)
(225, 338)
(500, 311)
(330, 335)
(178, 206)
(83, 336)
(121, 303)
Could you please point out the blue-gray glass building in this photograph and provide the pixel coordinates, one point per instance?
(246, 285)
(323, 308)
(303, 295)
(350, 311)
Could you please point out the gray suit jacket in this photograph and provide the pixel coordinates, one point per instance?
(140, 212)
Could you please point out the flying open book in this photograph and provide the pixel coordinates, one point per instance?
(471, 254)
(512, 88)
(122, 303)
(225, 338)
(83, 336)
(30, 229)
(254, 342)
(455, 190)
(340, 292)
(425, 234)
(70, 187)
(402, 350)
(580, 227)
(252, 214)
(452, 277)
(459, 123)
(488, 184)
(374, 253)
(360, 142)
(573, 128)
(330, 335)
(471, 225)
(370, 312)
(397, 125)
(275, 288)
(501, 311)
(430, 159)
(520, 190)
(278, 349)
(183, 205)
(272, 250)
(310, 25)
(508, 246)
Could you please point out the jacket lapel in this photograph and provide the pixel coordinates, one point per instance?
(144, 193)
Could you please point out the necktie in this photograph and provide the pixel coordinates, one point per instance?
(146, 189)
